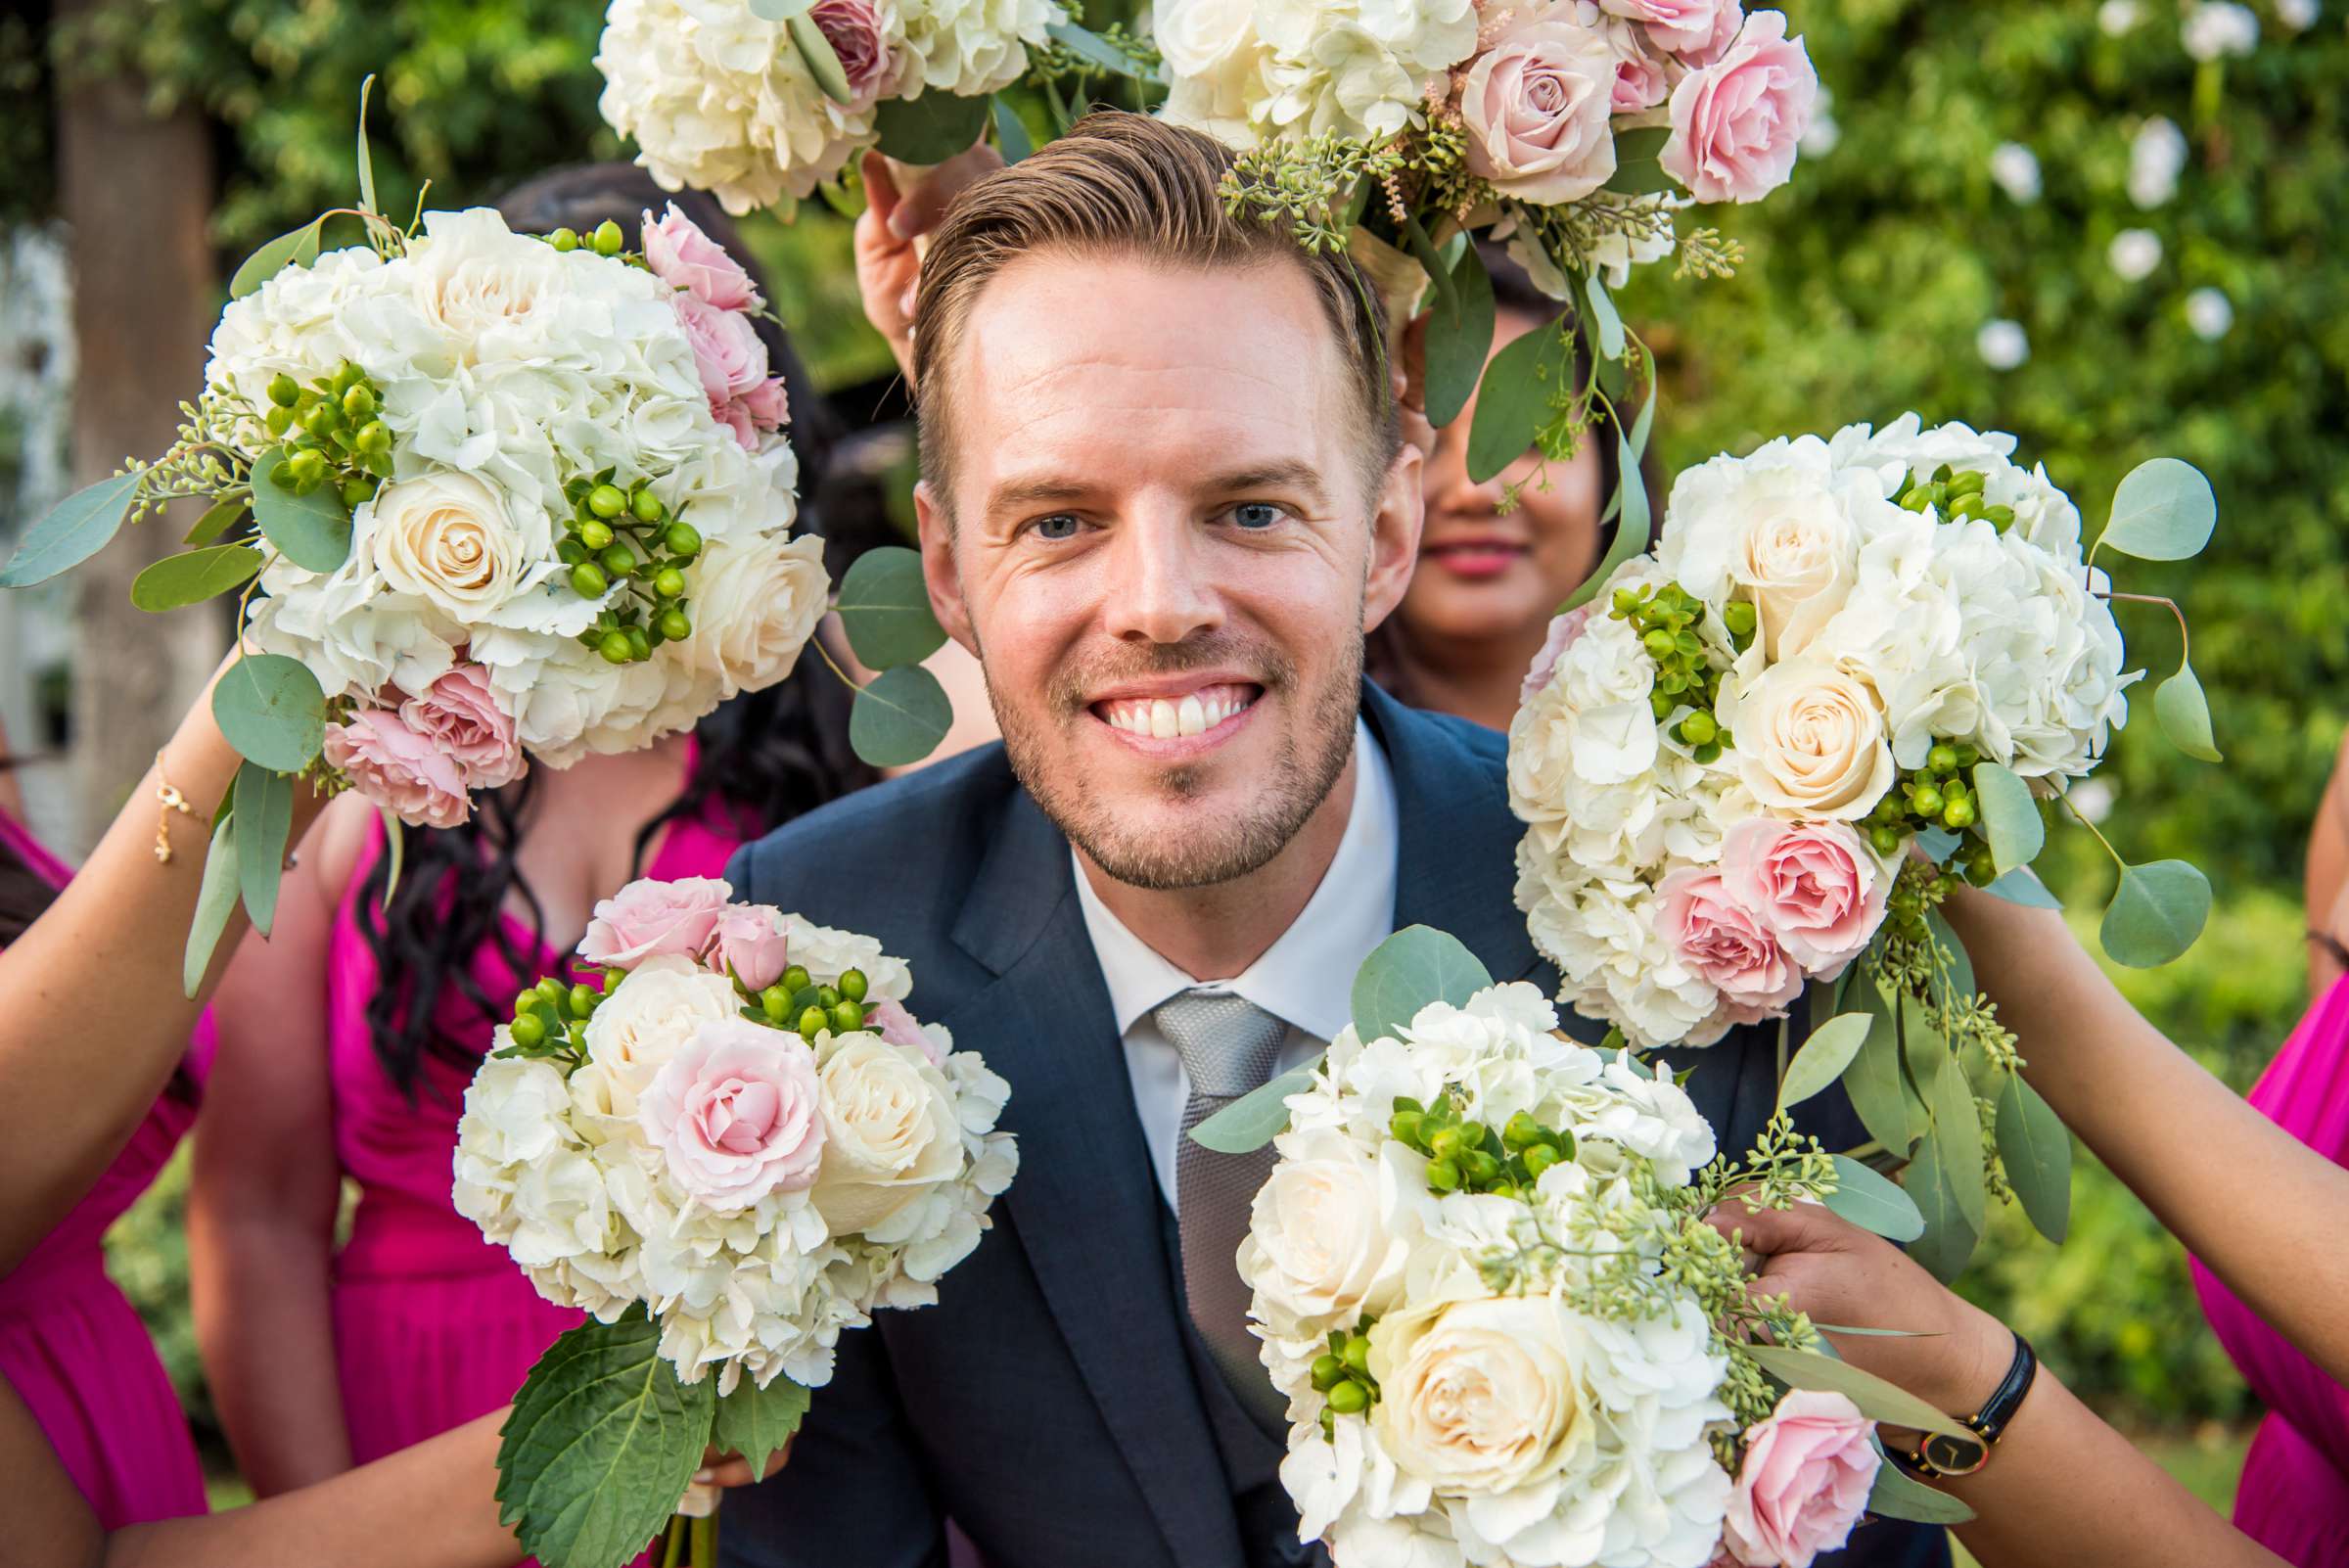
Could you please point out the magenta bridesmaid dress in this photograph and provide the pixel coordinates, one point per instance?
(74, 1347)
(434, 1327)
(2294, 1494)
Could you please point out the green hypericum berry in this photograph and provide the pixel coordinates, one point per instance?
(309, 469)
(1942, 759)
(1886, 838)
(607, 501)
(525, 1001)
(2001, 518)
(608, 238)
(1406, 1126)
(1926, 800)
(846, 1017)
(1328, 1372)
(1740, 617)
(1660, 703)
(553, 991)
(279, 420)
(670, 583)
(358, 403)
(564, 239)
(613, 646)
(284, 390)
(1970, 483)
(794, 979)
(374, 437)
(1958, 814)
(1480, 1167)
(1443, 1176)
(348, 376)
(1522, 1132)
(356, 491)
(775, 1002)
(528, 1032)
(676, 624)
(1446, 1143)
(1657, 642)
(1539, 1158)
(683, 539)
(640, 644)
(1698, 729)
(853, 985)
(1917, 499)
(588, 582)
(1981, 867)
(1626, 601)
(1967, 756)
(1708, 754)
(647, 507)
(1350, 1398)
(616, 559)
(1357, 1354)
(827, 996)
(571, 552)
(813, 1022)
(322, 421)
(596, 535)
(583, 999)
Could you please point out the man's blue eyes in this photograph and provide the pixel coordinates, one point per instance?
(1059, 526)
(1254, 516)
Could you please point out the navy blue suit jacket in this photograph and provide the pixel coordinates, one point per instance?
(1047, 1404)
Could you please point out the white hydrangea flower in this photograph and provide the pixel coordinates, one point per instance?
(2003, 343)
(973, 47)
(2014, 169)
(2217, 28)
(2134, 253)
(1354, 68)
(2210, 313)
(2156, 157)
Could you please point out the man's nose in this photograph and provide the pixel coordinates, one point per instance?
(1162, 585)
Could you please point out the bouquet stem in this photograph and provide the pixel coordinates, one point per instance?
(691, 1539)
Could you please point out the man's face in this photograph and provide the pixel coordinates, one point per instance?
(1162, 551)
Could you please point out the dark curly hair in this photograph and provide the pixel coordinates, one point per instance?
(760, 760)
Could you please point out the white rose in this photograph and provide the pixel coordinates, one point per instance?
(448, 540)
(1482, 1398)
(891, 1132)
(1331, 1229)
(1215, 66)
(1780, 527)
(481, 284)
(647, 1019)
(753, 608)
(1811, 741)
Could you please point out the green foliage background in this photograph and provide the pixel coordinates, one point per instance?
(1864, 287)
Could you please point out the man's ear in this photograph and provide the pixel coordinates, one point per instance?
(938, 568)
(1393, 536)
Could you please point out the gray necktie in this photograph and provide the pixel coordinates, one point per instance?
(1228, 1046)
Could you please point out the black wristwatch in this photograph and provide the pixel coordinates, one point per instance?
(1938, 1455)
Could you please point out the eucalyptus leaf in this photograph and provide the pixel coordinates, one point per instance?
(1095, 51)
(600, 1444)
(1877, 1399)
(75, 528)
(219, 518)
(1011, 132)
(885, 608)
(2163, 511)
(395, 851)
(1512, 400)
(272, 711)
(1898, 1494)
(2010, 817)
(1936, 844)
(780, 10)
(1606, 324)
(264, 817)
(1631, 529)
(1873, 1079)
(193, 575)
(296, 248)
(1822, 1058)
(1948, 1242)
(1638, 169)
(822, 60)
(1872, 1202)
(366, 158)
(1414, 967)
(1961, 964)
(216, 901)
(2037, 1153)
(931, 128)
(1640, 427)
(2022, 885)
(2185, 714)
(1458, 340)
(900, 717)
(1922, 1049)
(1438, 290)
(1257, 1117)
(757, 1422)
(313, 531)
(2156, 913)
(1958, 1141)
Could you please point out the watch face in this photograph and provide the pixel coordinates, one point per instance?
(1954, 1456)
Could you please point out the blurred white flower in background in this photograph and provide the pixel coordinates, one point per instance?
(2116, 16)
(2210, 313)
(2155, 159)
(1823, 133)
(2219, 28)
(2015, 169)
(2134, 253)
(2297, 15)
(2003, 343)
(2091, 798)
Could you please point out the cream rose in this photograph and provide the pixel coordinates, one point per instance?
(1811, 741)
(1536, 105)
(890, 1132)
(1482, 1397)
(448, 540)
(662, 1005)
(1331, 1230)
(753, 608)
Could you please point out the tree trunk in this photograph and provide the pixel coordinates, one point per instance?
(136, 192)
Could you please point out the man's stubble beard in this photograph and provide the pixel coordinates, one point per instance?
(1305, 766)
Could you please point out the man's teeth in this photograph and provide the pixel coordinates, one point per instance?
(1165, 720)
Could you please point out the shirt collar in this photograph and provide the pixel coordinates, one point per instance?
(1307, 976)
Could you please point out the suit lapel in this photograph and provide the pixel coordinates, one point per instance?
(1086, 1204)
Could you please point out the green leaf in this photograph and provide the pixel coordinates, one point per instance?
(931, 128)
(395, 851)
(1011, 133)
(264, 817)
(313, 531)
(1643, 424)
(1948, 1242)
(1438, 291)
(600, 1444)
(758, 1422)
(1877, 1399)
(222, 516)
(1873, 1080)
(1458, 340)
(1961, 966)
(2010, 817)
(1872, 1202)
(1513, 400)
(1822, 1058)
(1637, 170)
(216, 901)
(2163, 511)
(1257, 1117)
(1898, 1494)
(1936, 843)
(2023, 887)
(1631, 531)
(366, 160)
(75, 528)
(298, 248)
(885, 608)
(1095, 51)
(194, 576)
(780, 10)
(2185, 714)
(2156, 913)
(1414, 967)
(272, 711)
(2037, 1152)
(1605, 324)
(1957, 1140)
(900, 717)
(819, 57)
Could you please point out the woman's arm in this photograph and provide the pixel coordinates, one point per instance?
(2324, 881)
(95, 1020)
(267, 1183)
(2246, 1197)
(2062, 1487)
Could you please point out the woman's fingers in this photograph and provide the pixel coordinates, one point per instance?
(918, 211)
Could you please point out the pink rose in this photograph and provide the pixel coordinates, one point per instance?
(1725, 944)
(682, 256)
(737, 1113)
(1814, 884)
(1808, 1469)
(1536, 104)
(1735, 122)
(749, 940)
(462, 716)
(1563, 630)
(1639, 84)
(726, 348)
(1694, 30)
(400, 769)
(892, 1023)
(854, 31)
(756, 414)
(647, 917)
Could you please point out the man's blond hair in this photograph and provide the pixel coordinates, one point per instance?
(1123, 185)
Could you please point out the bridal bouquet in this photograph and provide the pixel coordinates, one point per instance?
(1484, 1280)
(1853, 671)
(729, 1148)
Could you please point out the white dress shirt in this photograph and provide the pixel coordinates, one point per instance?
(1306, 977)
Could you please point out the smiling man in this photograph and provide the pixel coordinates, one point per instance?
(1164, 498)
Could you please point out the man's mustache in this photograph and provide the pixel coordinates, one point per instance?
(1251, 660)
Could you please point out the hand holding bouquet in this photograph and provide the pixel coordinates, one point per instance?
(738, 1145)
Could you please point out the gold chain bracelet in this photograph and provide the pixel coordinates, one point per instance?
(172, 801)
